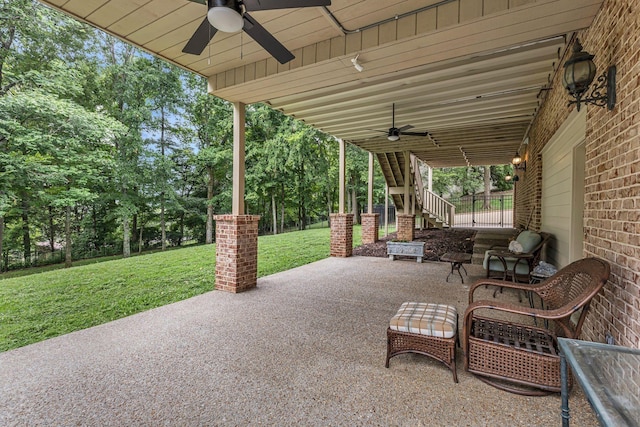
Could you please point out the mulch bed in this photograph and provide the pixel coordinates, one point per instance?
(438, 242)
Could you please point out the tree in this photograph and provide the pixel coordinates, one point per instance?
(165, 102)
(487, 187)
(61, 147)
(357, 179)
(32, 39)
(211, 119)
(124, 85)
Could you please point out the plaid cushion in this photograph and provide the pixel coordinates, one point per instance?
(436, 320)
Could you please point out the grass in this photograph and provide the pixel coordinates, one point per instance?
(52, 303)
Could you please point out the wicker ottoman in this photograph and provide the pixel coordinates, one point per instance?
(424, 328)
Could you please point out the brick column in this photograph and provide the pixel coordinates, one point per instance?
(341, 235)
(370, 225)
(406, 227)
(236, 252)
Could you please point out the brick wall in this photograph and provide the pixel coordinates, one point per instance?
(406, 227)
(612, 184)
(341, 235)
(236, 252)
(370, 226)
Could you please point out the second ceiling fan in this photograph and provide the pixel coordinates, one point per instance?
(393, 134)
(230, 16)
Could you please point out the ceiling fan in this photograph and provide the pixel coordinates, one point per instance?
(393, 134)
(230, 16)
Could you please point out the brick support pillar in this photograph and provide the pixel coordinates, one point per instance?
(341, 235)
(236, 252)
(406, 227)
(370, 225)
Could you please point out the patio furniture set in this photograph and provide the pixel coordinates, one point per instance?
(500, 346)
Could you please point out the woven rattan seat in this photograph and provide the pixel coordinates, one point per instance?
(425, 328)
(516, 356)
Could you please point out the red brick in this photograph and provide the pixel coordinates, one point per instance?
(236, 252)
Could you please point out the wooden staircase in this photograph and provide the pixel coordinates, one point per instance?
(429, 207)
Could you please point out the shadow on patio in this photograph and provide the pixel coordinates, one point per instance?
(307, 347)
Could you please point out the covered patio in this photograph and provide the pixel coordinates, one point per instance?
(481, 80)
(306, 347)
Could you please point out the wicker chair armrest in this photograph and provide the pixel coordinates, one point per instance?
(504, 284)
(498, 248)
(510, 308)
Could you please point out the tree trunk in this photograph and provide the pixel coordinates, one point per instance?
(126, 237)
(52, 236)
(134, 227)
(94, 224)
(163, 225)
(141, 238)
(354, 205)
(67, 237)
(274, 213)
(1, 243)
(282, 211)
(26, 239)
(487, 188)
(209, 232)
(181, 236)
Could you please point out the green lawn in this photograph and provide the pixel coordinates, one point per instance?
(51, 303)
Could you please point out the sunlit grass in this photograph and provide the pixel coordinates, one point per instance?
(52, 303)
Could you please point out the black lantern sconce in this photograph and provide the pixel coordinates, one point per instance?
(518, 163)
(579, 72)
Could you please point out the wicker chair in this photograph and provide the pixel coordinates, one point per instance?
(517, 356)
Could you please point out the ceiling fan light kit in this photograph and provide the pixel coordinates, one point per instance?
(225, 19)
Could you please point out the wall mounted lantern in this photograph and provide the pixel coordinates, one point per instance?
(579, 72)
(518, 163)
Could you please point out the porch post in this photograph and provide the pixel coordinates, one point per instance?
(386, 210)
(407, 182)
(237, 207)
(237, 234)
(406, 221)
(370, 220)
(341, 223)
(341, 177)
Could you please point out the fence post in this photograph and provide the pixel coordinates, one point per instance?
(502, 210)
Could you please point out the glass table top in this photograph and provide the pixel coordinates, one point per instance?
(610, 378)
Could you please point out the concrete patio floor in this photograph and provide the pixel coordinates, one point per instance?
(307, 347)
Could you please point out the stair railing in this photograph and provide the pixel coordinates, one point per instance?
(439, 208)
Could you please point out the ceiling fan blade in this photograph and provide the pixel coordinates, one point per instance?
(252, 5)
(416, 133)
(406, 127)
(200, 39)
(266, 40)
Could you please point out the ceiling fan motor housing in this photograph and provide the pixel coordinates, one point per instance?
(231, 4)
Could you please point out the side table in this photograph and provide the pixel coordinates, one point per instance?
(456, 259)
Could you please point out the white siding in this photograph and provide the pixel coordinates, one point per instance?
(558, 185)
